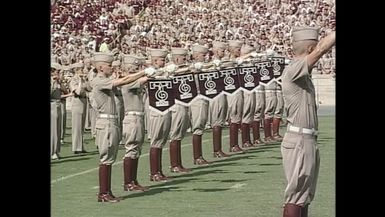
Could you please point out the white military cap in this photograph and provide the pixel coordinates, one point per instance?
(115, 63)
(196, 48)
(304, 33)
(235, 43)
(103, 57)
(178, 51)
(219, 44)
(56, 65)
(247, 49)
(158, 53)
(133, 60)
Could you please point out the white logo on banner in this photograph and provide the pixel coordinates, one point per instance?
(229, 81)
(209, 83)
(184, 88)
(248, 78)
(263, 71)
(161, 95)
(276, 66)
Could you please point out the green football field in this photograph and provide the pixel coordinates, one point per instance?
(249, 184)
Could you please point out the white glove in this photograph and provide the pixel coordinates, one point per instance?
(239, 61)
(287, 61)
(198, 66)
(171, 68)
(270, 52)
(150, 71)
(253, 54)
(217, 62)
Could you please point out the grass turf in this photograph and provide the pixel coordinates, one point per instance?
(249, 184)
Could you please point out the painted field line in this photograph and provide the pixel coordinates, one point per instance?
(117, 163)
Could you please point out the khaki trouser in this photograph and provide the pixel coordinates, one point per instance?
(78, 112)
(146, 112)
(279, 108)
(87, 123)
(159, 128)
(259, 105)
(120, 112)
(218, 111)
(55, 127)
(133, 135)
(301, 162)
(107, 139)
(270, 103)
(93, 116)
(63, 119)
(199, 110)
(235, 107)
(248, 107)
(180, 122)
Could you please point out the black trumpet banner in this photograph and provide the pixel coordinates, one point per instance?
(248, 78)
(265, 71)
(230, 80)
(278, 65)
(161, 95)
(210, 84)
(185, 89)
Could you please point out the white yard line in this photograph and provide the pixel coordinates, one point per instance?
(117, 163)
(238, 185)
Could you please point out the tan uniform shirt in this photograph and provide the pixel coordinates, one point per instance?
(133, 97)
(299, 95)
(159, 125)
(180, 121)
(199, 111)
(107, 129)
(235, 103)
(300, 153)
(218, 109)
(103, 95)
(133, 122)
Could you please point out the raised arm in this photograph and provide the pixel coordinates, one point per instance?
(322, 47)
(128, 79)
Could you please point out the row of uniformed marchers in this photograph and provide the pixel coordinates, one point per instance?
(121, 100)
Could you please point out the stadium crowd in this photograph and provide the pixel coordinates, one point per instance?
(79, 27)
